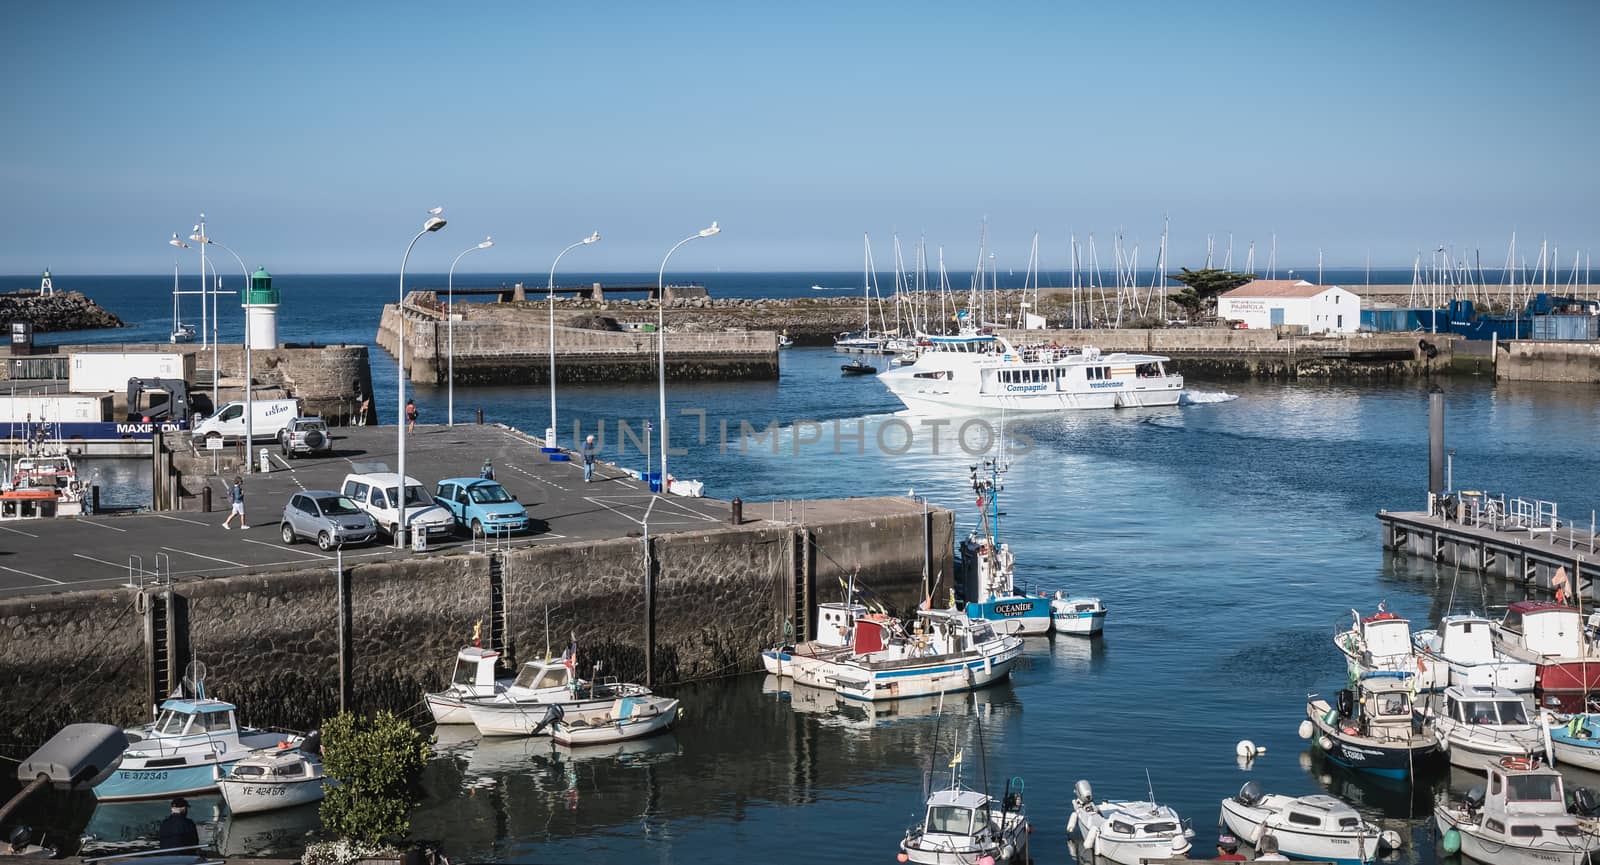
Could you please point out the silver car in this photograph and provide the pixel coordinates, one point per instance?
(326, 517)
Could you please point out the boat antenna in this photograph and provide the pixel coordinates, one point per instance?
(933, 753)
(1149, 785)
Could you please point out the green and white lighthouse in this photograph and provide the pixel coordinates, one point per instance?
(261, 310)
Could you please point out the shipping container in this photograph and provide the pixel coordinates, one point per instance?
(55, 408)
(1572, 327)
(108, 372)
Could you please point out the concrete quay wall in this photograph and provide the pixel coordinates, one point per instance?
(1536, 360)
(270, 641)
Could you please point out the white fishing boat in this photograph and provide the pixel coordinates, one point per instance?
(1082, 616)
(1551, 636)
(784, 341)
(522, 708)
(1462, 652)
(1379, 642)
(271, 781)
(1317, 827)
(44, 483)
(1521, 819)
(1127, 833)
(1479, 726)
(945, 652)
(473, 678)
(627, 718)
(835, 627)
(985, 576)
(962, 827)
(974, 372)
(1371, 727)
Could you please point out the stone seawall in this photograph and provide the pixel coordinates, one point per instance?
(270, 641)
(1533, 360)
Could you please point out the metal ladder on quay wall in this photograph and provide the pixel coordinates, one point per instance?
(499, 610)
(166, 626)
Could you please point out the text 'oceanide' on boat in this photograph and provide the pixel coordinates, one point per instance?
(1381, 641)
(1371, 727)
(1317, 827)
(473, 678)
(1521, 818)
(1462, 652)
(944, 653)
(1479, 726)
(1127, 833)
(975, 372)
(1551, 636)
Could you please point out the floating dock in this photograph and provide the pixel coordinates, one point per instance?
(1523, 548)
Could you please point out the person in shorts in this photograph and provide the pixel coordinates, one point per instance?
(236, 503)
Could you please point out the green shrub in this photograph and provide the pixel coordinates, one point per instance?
(377, 762)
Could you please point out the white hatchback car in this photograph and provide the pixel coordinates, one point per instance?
(378, 493)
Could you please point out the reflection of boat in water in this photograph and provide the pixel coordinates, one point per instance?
(275, 834)
(832, 710)
(135, 825)
(496, 757)
(1078, 655)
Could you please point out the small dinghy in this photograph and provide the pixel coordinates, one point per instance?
(1372, 728)
(627, 718)
(963, 826)
(1316, 827)
(1521, 820)
(1084, 617)
(858, 367)
(1576, 742)
(1381, 641)
(1479, 726)
(1462, 652)
(273, 780)
(1127, 833)
(473, 678)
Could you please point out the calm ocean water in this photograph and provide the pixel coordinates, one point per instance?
(1229, 539)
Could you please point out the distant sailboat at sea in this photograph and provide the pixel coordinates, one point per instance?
(181, 333)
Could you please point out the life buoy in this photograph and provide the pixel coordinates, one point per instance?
(1517, 762)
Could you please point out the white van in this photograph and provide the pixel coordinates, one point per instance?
(272, 416)
(378, 493)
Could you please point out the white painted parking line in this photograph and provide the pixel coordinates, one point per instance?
(123, 566)
(100, 525)
(18, 532)
(208, 558)
(181, 520)
(284, 549)
(35, 576)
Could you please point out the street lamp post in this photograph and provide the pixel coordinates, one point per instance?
(661, 343)
(450, 326)
(434, 223)
(550, 288)
(249, 372)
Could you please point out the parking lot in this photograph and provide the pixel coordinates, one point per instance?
(105, 551)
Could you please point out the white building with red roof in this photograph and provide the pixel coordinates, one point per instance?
(1265, 303)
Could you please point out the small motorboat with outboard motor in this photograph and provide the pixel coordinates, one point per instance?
(1128, 832)
(1521, 819)
(1317, 827)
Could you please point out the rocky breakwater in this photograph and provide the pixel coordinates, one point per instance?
(65, 310)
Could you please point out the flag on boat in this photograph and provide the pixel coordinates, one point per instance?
(477, 634)
(1559, 583)
(954, 761)
(569, 658)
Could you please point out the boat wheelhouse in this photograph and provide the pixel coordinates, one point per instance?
(473, 677)
(1371, 727)
(1479, 726)
(975, 371)
(1462, 652)
(1379, 642)
(963, 826)
(836, 623)
(1550, 636)
(1519, 818)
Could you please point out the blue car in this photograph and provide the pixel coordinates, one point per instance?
(481, 506)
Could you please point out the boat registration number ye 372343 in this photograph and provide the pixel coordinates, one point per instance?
(135, 775)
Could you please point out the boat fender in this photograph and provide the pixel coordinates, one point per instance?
(1091, 835)
(1072, 823)
(1006, 852)
(1389, 840)
(901, 857)
(1444, 744)
(1325, 743)
(1452, 841)
(1306, 729)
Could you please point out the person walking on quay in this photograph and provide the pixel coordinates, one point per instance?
(236, 502)
(411, 415)
(589, 452)
(487, 472)
(178, 830)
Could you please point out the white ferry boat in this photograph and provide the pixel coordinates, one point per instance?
(974, 371)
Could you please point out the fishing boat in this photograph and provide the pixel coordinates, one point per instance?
(835, 626)
(1371, 727)
(1478, 726)
(627, 718)
(181, 333)
(1083, 616)
(945, 652)
(272, 780)
(1462, 652)
(985, 577)
(522, 708)
(858, 367)
(42, 484)
(473, 678)
(784, 341)
(977, 371)
(1521, 819)
(1128, 832)
(1381, 641)
(1550, 636)
(1317, 827)
(962, 826)
(1575, 741)
(179, 754)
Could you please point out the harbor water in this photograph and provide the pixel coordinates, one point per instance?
(1230, 537)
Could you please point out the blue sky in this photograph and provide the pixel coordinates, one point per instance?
(315, 135)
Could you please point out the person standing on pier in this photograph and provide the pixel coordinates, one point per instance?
(411, 415)
(236, 501)
(589, 452)
(487, 472)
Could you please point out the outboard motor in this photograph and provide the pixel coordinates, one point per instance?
(1083, 792)
(311, 745)
(1347, 703)
(1474, 800)
(20, 837)
(1584, 803)
(1250, 793)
